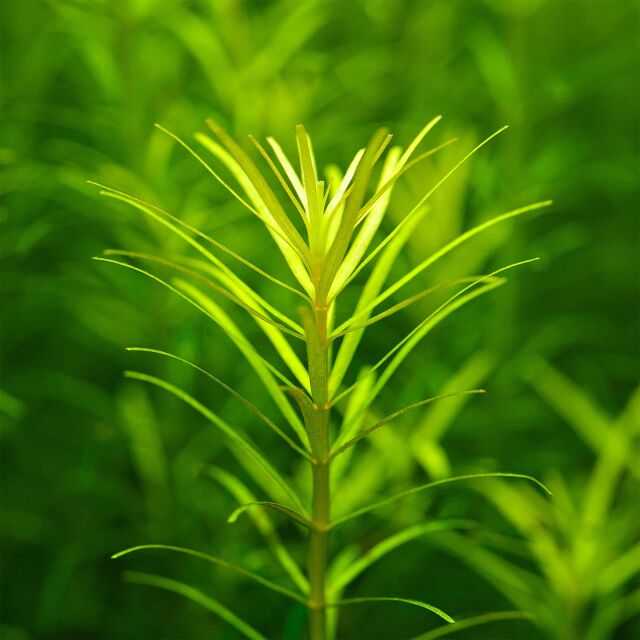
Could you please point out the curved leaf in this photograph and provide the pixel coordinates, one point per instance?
(408, 343)
(234, 393)
(290, 513)
(280, 178)
(415, 210)
(260, 317)
(264, 370)
(339, 246)
(240, 289)
(371, 289)
(289, 170)
(473, 622)
(263, 522)
(217, 268)
(405, 346)
(350, 325)
(260, 184)
(433, 485)
(453, 244)
(381, 423)
(381, 549)
(382, 190)
(291, 256)
(212, 311)
(232, 434)
(416, 603)
(141, 205)
(197, 596)
(217, 561)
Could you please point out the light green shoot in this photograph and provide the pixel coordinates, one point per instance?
(323, 225)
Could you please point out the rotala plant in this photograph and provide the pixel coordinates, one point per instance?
(324, 230)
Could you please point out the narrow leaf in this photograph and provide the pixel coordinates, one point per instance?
(475, 621)
(191, 299)
(264, 370)
(234, 393)
(241, 289)
(193, 594)
(217, 561)
(214, 266)
(354, 415)
(280, 178)
(341, 192)
(309, 181)
(370, 226)
(268, 220)
(339, 247)
(349, 325)
(455, 243)
(401, 350)
(371, 289)
(207, 166)
(384, 187)
(418, 139)
(141, 205)
(416, 603)
(218, 289)
(404, 347)
(290, 513)
(289, 170)
(381, 423)
(433, 485)
(273, 333)
(231, 433)
(386, 546)
(294, 259)
(264, 524)
(416, 209)
(263, 189)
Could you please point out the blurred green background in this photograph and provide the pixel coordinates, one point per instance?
(92, 463)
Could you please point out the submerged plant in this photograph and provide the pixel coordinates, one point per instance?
(584, 542)
(324, 230)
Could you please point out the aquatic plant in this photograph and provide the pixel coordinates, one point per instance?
(324, 229)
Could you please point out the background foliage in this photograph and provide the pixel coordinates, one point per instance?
(92, 462)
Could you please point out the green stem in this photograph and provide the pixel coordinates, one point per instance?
(318, 346)
(318, 543)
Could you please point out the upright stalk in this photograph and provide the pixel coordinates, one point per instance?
(318, 361)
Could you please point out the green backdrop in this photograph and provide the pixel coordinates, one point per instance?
(92, 463)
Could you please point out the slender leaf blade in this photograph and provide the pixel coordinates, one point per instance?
(475, 621)
(221, 562)
(195, 595)
(415, 603)
(235, 436)
(433, 485)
